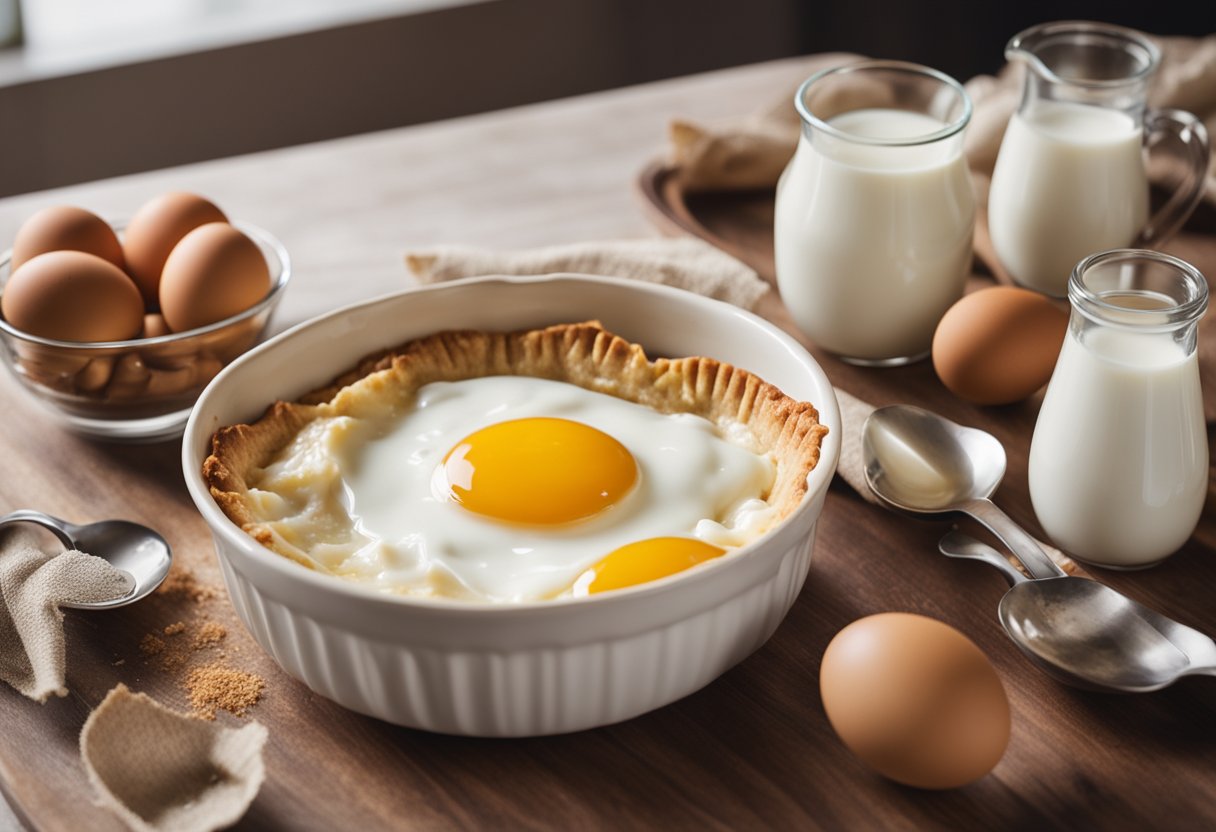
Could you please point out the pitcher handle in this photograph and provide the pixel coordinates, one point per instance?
(1189, 130)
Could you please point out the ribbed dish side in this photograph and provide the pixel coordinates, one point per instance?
(543, 690)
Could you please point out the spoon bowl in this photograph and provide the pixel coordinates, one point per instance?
(924, 464)
(140, 553)
(1088, 635)
(921, 463)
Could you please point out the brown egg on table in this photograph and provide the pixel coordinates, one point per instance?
(915, 699)
(65, 228)
(212, 274)
(998, 345)
(73, 296)
(157, 227)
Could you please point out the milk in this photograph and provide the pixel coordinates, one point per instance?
(873, 242)
(1119, 459)
(1069, 181)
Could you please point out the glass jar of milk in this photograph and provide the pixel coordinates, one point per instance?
(875, 212)
(1119, 458)
(1070, 176)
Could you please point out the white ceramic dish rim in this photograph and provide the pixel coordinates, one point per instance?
(775, 540)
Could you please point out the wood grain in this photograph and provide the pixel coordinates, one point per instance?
(753, 749)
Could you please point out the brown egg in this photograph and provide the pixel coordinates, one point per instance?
(49, 366)
(212, 274)
(95, 375)
(73, 296)
(915, 699)
(66, 228)
(158, 226)
(998, 345)
(154, 325)
(206, 369)
(170, 382)
(130, 378)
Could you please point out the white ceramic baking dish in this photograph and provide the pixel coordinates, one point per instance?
(525, 669)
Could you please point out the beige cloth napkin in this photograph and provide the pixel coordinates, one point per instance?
(751, 152)
(161, 770)
(33, 584)
(628, 258)
(687, 263)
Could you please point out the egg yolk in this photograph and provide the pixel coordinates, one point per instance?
(542, 471)
(645, 560)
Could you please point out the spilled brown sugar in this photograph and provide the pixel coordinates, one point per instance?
(151, 645)
(214, 687)
(173, 652)
(176, 647)
(181, 583)
(210, 633)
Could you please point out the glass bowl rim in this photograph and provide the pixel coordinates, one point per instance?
(264, 238)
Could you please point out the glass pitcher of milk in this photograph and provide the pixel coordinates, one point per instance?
(875, 212)
(1119, 458)
(1070, 175)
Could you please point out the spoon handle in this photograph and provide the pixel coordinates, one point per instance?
(52, 524)
(958, 545)
(1023, 546)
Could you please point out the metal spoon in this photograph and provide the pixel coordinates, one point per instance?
(138, 552)
(922, 463)
(1088, 635)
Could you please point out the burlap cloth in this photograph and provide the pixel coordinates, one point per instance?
(155, 769)
(33, 584)
(161, 771)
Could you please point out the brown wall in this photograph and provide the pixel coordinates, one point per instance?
(367, 76)
(477, 57)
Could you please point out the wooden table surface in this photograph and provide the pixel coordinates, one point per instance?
(751, 750)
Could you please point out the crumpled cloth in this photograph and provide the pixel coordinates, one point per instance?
(629, 259)
(751, 152)
(686, 262)
(33, 583)
(162, 771)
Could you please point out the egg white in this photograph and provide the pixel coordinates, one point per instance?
(357, 496)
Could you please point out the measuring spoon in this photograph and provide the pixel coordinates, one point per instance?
(138, 552)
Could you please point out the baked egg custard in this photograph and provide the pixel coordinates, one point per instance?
(509, 467)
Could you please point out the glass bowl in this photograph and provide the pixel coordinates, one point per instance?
(140, 390)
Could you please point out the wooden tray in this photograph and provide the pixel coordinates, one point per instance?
(741, 224)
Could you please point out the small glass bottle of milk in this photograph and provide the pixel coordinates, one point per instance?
(1070, 177)
(1119, 458)
(875, 212)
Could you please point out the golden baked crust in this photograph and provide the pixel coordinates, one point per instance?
(583, 354)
